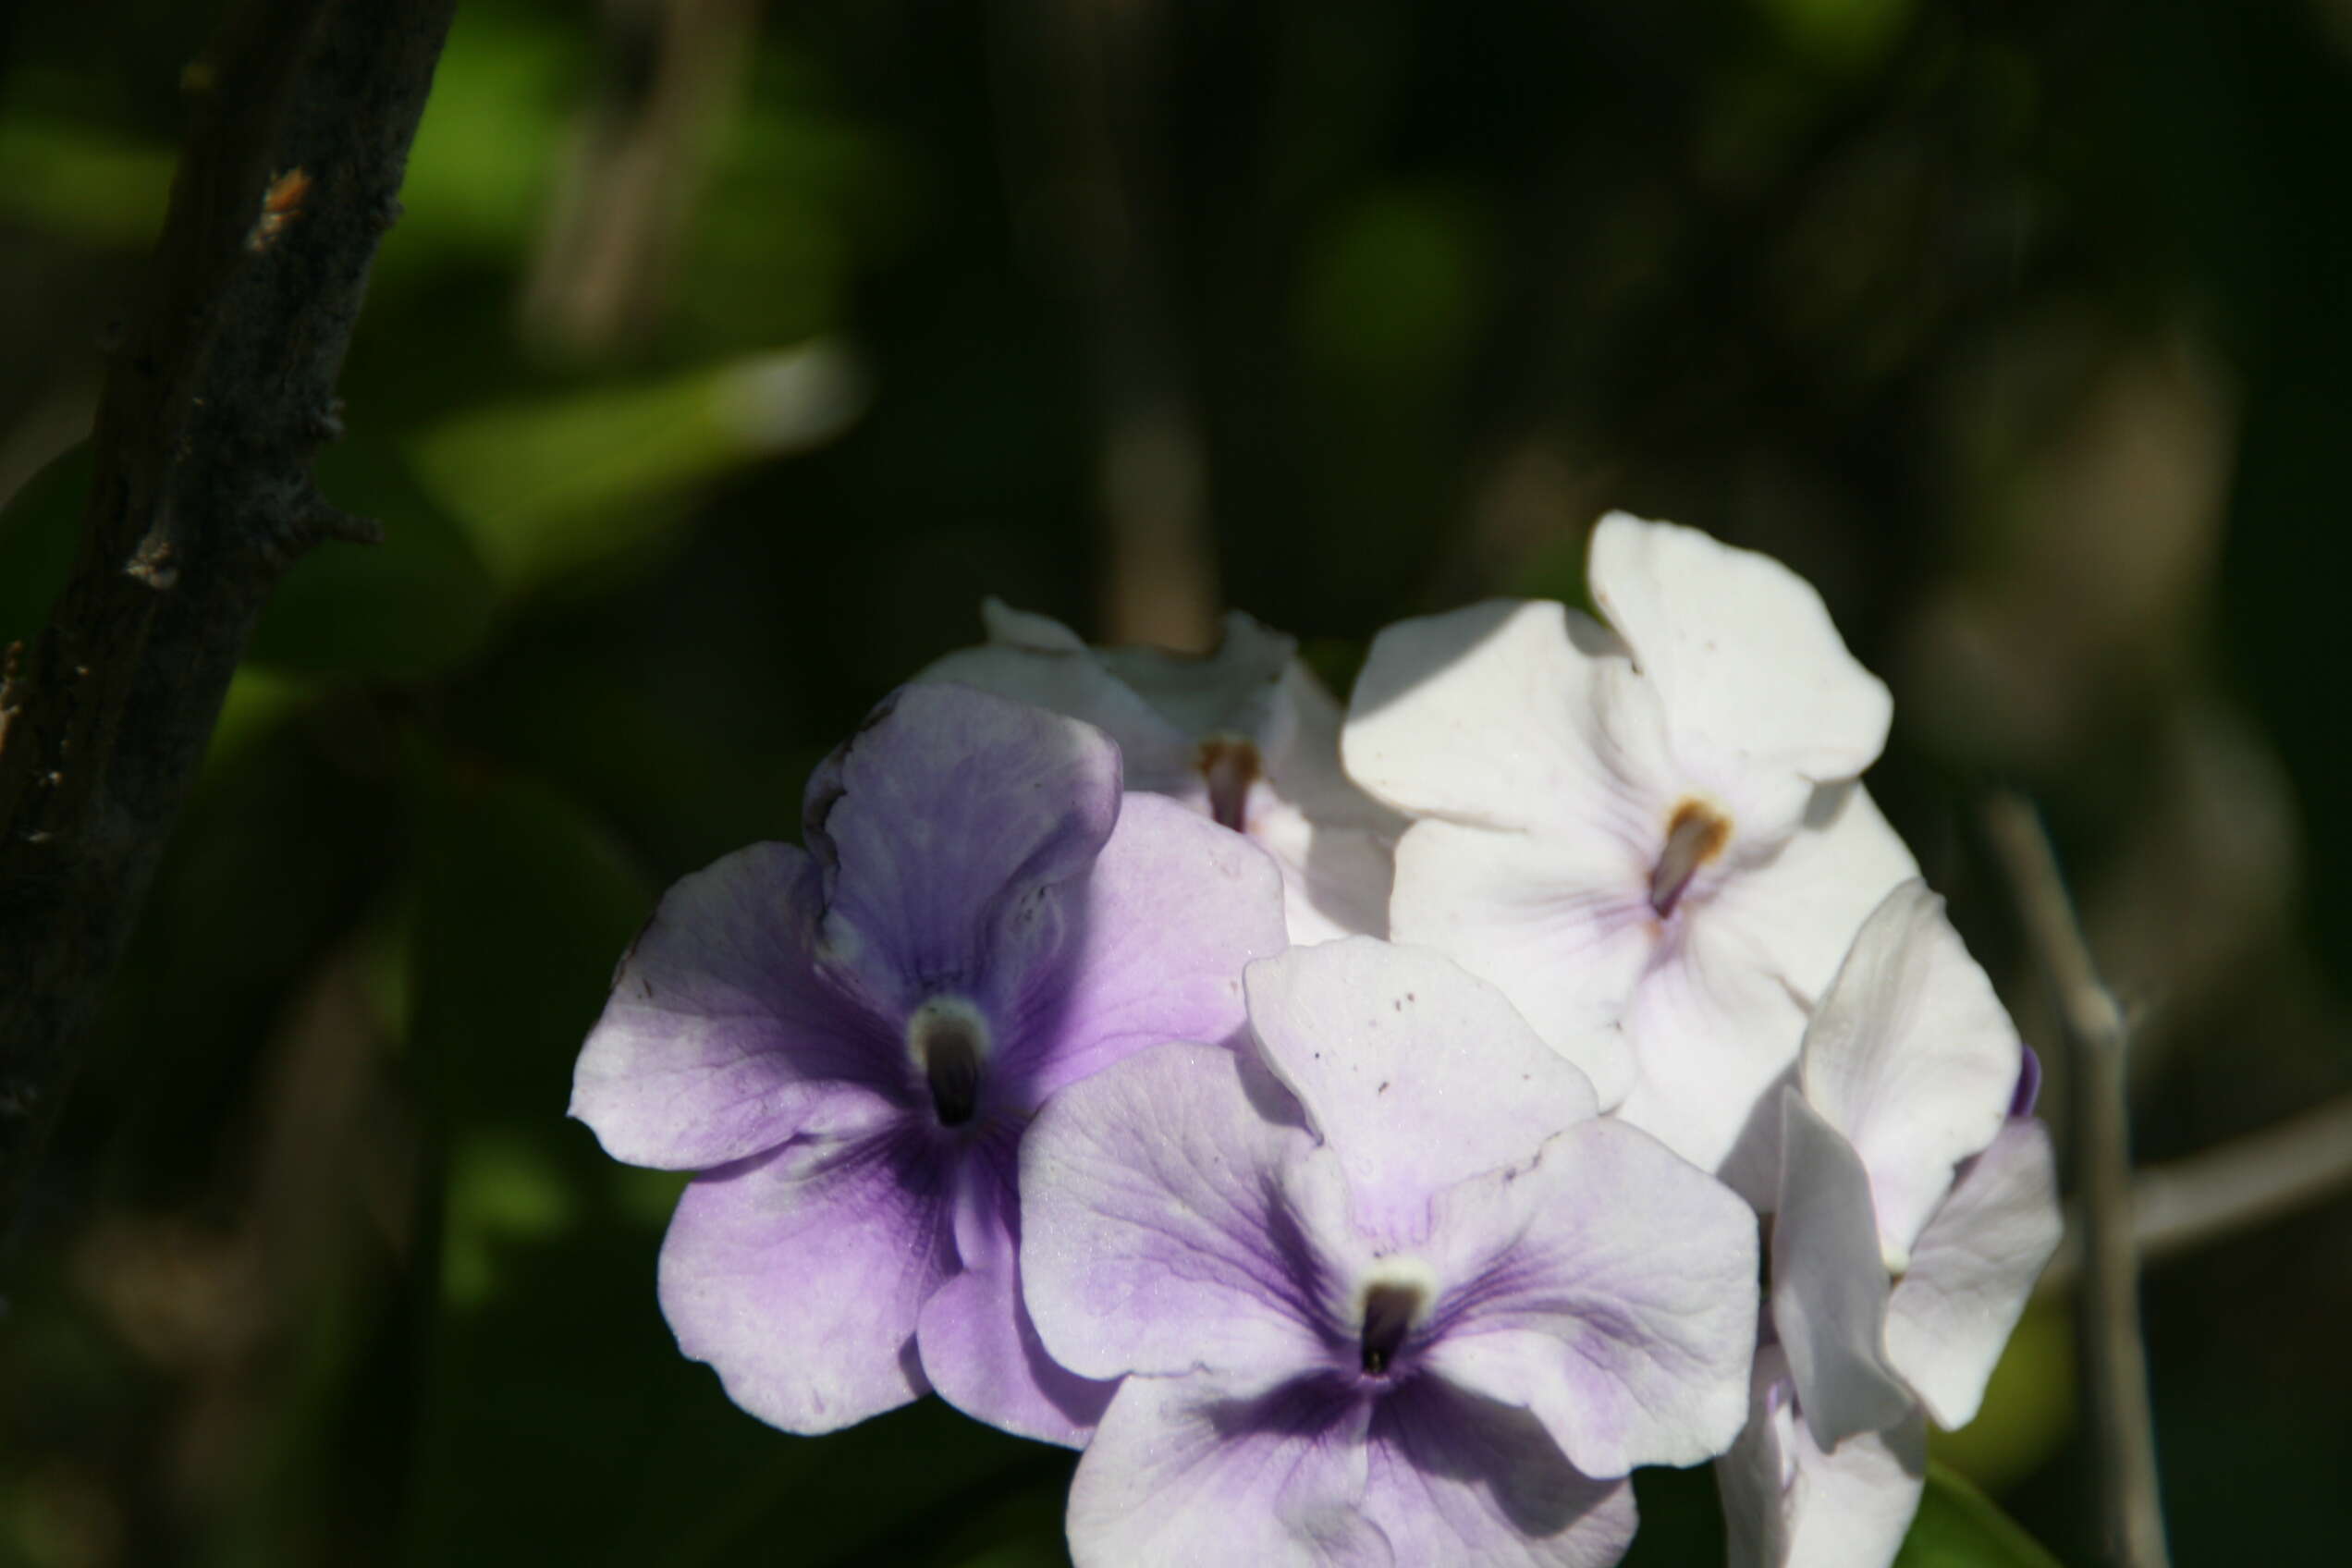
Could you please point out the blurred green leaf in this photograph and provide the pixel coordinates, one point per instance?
(38, 532)
(592, 479)
(1395, 292)
(80, 183)
(417, 605)
(1841, 34)
(477, 176)
(1958, 1527)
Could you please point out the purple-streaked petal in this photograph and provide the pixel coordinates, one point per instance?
(982, 1352)
(1788, 1504)
(1544, 917)
(1169, 1224)
(1911, 1059)
(721, 1038)
(1203, 1469)
(1025, 660)
(1713, 1031)
(949, 830)
(1973, 1266)
(979, 1348)
(797, 1275)
(1741, 650)
(1457, 1477)
(1801, 909)
(1828, 1288)
(1496, 716)
(1175, 908)
(1416, 1073)
(1608, 1289)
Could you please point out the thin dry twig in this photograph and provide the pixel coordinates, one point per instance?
(2247, 1181)
(2114, 1354)
(220, 390)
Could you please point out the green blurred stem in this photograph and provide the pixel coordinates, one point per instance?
(219, 389)
(2114, 1354)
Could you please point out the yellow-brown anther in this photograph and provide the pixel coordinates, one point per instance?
(1230, 765)
(1695, 835)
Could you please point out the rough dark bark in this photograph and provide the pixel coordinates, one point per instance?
(219, 391)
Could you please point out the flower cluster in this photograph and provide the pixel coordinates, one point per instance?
(1355, 1132)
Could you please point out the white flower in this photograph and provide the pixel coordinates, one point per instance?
(1246, 736)
(1918, 1205)
(1656, 827)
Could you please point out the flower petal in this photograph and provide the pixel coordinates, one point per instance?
(1545, 917)
(1335, 880)
(1498, 714)
(1168, 1222)
(1713, 1030)
(1788, 1504)
(1457, 1477)
(982, 1352)
(1416, 1073)
(1800, 909)
(1972, 1271)
(797, 1275)
(1034, 659)
(1746, 663)
(1610, 1289)
(1201, 1469)
(721, 1037)
(1175, 908)
(1828, 1288)
(1911, 1059)
(1231, 692)
(948, 829)
(979, 1348)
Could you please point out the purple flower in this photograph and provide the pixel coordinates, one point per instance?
(849, 1042)
(1389, 1292)
(1246, 735)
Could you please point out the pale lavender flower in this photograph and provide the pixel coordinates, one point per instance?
(1386, 1290)
(849, 1044)
(1246, 735)
(1918, 1205)
(1656, 826)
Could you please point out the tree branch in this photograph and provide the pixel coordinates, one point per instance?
(2233, 1187)
(220, 390)
(2114, 1357)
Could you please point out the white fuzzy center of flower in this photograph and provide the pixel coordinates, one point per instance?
(1392, 1299)
(1695, 833)
(949, 1040)
(1229, 765)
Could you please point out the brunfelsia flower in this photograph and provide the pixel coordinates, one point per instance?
(1246, 736)
(1656, 826)
(1391, 1291)
(849, 1044)
(1918, 1205)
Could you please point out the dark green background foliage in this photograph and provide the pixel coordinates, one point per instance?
(2022, 329)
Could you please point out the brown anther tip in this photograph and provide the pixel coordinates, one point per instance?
(1696, 834)
(1229, 765)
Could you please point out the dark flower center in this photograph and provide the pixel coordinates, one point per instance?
(1390, 1312)
(1695, 835)
(1230, 765)
(948, 1043)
